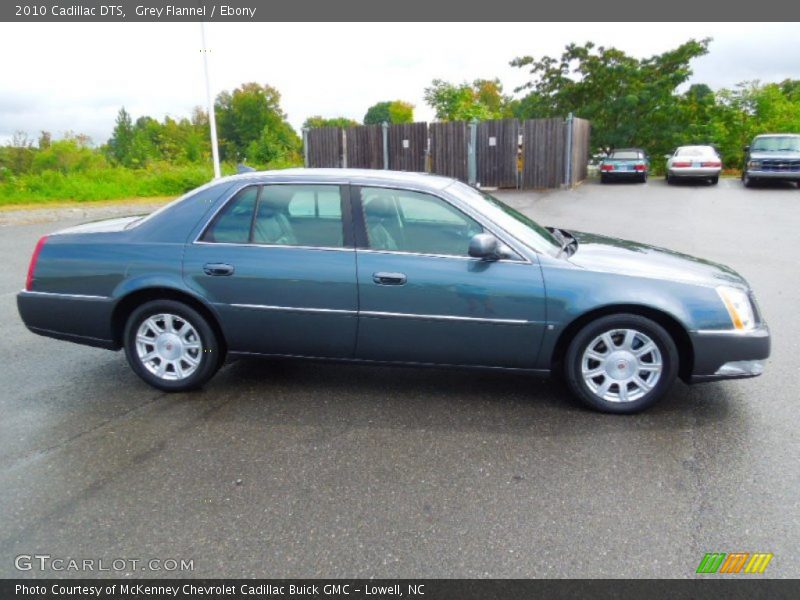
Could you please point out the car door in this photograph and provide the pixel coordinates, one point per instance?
(424, 300)
(278, 264)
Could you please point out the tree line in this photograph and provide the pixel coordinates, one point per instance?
(630, 101)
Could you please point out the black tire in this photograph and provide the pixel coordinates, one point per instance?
(668, 179)
(714, 180)
(643, 178)
(603, 179)
(645, 328)
(747, 181)
(208, 354)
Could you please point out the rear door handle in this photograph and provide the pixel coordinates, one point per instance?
(218, 269)
(382, 278)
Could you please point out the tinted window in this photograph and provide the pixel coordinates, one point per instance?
(285, 215)
(299, 215)
(232, 225)
(408, 221)
(776, 144)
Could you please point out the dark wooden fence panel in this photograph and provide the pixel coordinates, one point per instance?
(408, 144)
(581, 130)
(543, 146)
(325, 147)
(496, 145)
(449, 149)
(364, 146)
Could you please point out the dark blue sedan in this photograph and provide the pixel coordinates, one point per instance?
(387, 267)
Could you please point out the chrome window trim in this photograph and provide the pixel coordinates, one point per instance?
(247, 184)
(61, 295)
(471, 213)
(284, 246)
(453, 256)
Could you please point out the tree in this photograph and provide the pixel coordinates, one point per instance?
(389, 111)
(253, 127)
(482, 99)
(119, 145)
(318, 121)
(630, 101)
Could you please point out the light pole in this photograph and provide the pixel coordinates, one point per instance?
(212, 120)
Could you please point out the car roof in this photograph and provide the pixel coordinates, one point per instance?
(698, 146)
(345, 175)
(627, 150)
(760, 135)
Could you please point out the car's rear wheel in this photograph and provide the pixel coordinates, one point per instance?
(603, 179)
(171, 346)
(643, 178)
(621, 363)
(714, 180)
(669, 179)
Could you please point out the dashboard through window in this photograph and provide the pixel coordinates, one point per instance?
(281, 215)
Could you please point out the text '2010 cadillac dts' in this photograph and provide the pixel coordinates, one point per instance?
(392, 268)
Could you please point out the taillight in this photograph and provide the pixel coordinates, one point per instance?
(711, 163)
(32, 265)
(606, 167)
(640, 167)
(681, 164)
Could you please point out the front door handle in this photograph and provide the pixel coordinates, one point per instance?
(382, 278)
(218, 269)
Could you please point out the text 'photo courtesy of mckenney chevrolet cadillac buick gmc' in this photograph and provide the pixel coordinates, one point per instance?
(394, 268)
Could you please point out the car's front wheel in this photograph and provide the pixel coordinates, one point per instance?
(171, 346)
(747, 180)
(621, 363)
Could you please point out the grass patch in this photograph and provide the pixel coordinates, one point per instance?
(110, 183)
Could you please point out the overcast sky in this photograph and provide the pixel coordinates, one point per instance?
(60, 77)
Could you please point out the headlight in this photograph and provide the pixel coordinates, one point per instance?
(739, 308)
(754, 164)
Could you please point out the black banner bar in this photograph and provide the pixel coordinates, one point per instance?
(405, 10)
(386, 589)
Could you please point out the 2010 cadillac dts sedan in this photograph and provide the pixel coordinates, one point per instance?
(389, 267)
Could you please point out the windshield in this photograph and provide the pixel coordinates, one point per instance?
(626, 155)
(523, 228)
(776, 143)
(696, 151)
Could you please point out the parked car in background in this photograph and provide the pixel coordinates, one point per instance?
(392, 268)
(629, 164)
(694, 162)
(773, 156)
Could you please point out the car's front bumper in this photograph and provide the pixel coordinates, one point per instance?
(784, 175)
(729, 354)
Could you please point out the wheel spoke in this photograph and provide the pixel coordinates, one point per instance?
(627, 343)
(149, 356)
(594, 355)
(153, 326)
(592, 373)
(602, 390)
(650, 367)
(178, 369)
(641, 384)
(143, 339)
(609, 342)
(646, 349)
(623, 391)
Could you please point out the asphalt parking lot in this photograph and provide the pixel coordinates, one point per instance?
(316, 470)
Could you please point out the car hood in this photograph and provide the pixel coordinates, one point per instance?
(612, 255)
(104, 226)
(782, 155)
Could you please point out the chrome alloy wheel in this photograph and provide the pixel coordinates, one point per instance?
(621, 365)
(168, 346)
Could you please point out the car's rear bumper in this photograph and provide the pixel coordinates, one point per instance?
(729, 354)
(695, 172)
(73, 317)
(785, 175)
(622, 174)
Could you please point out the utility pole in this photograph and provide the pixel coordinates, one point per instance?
(212, 120)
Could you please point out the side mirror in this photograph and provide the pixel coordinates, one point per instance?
(485, 246)
(668, 156)
(747, 148)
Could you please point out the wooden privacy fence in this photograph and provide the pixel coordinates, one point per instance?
(505, 153)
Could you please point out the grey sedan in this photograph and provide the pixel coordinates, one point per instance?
(392, 268)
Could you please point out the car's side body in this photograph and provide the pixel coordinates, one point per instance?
(627, 164)
(694, 162)
(773, 157)
(356, 303)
